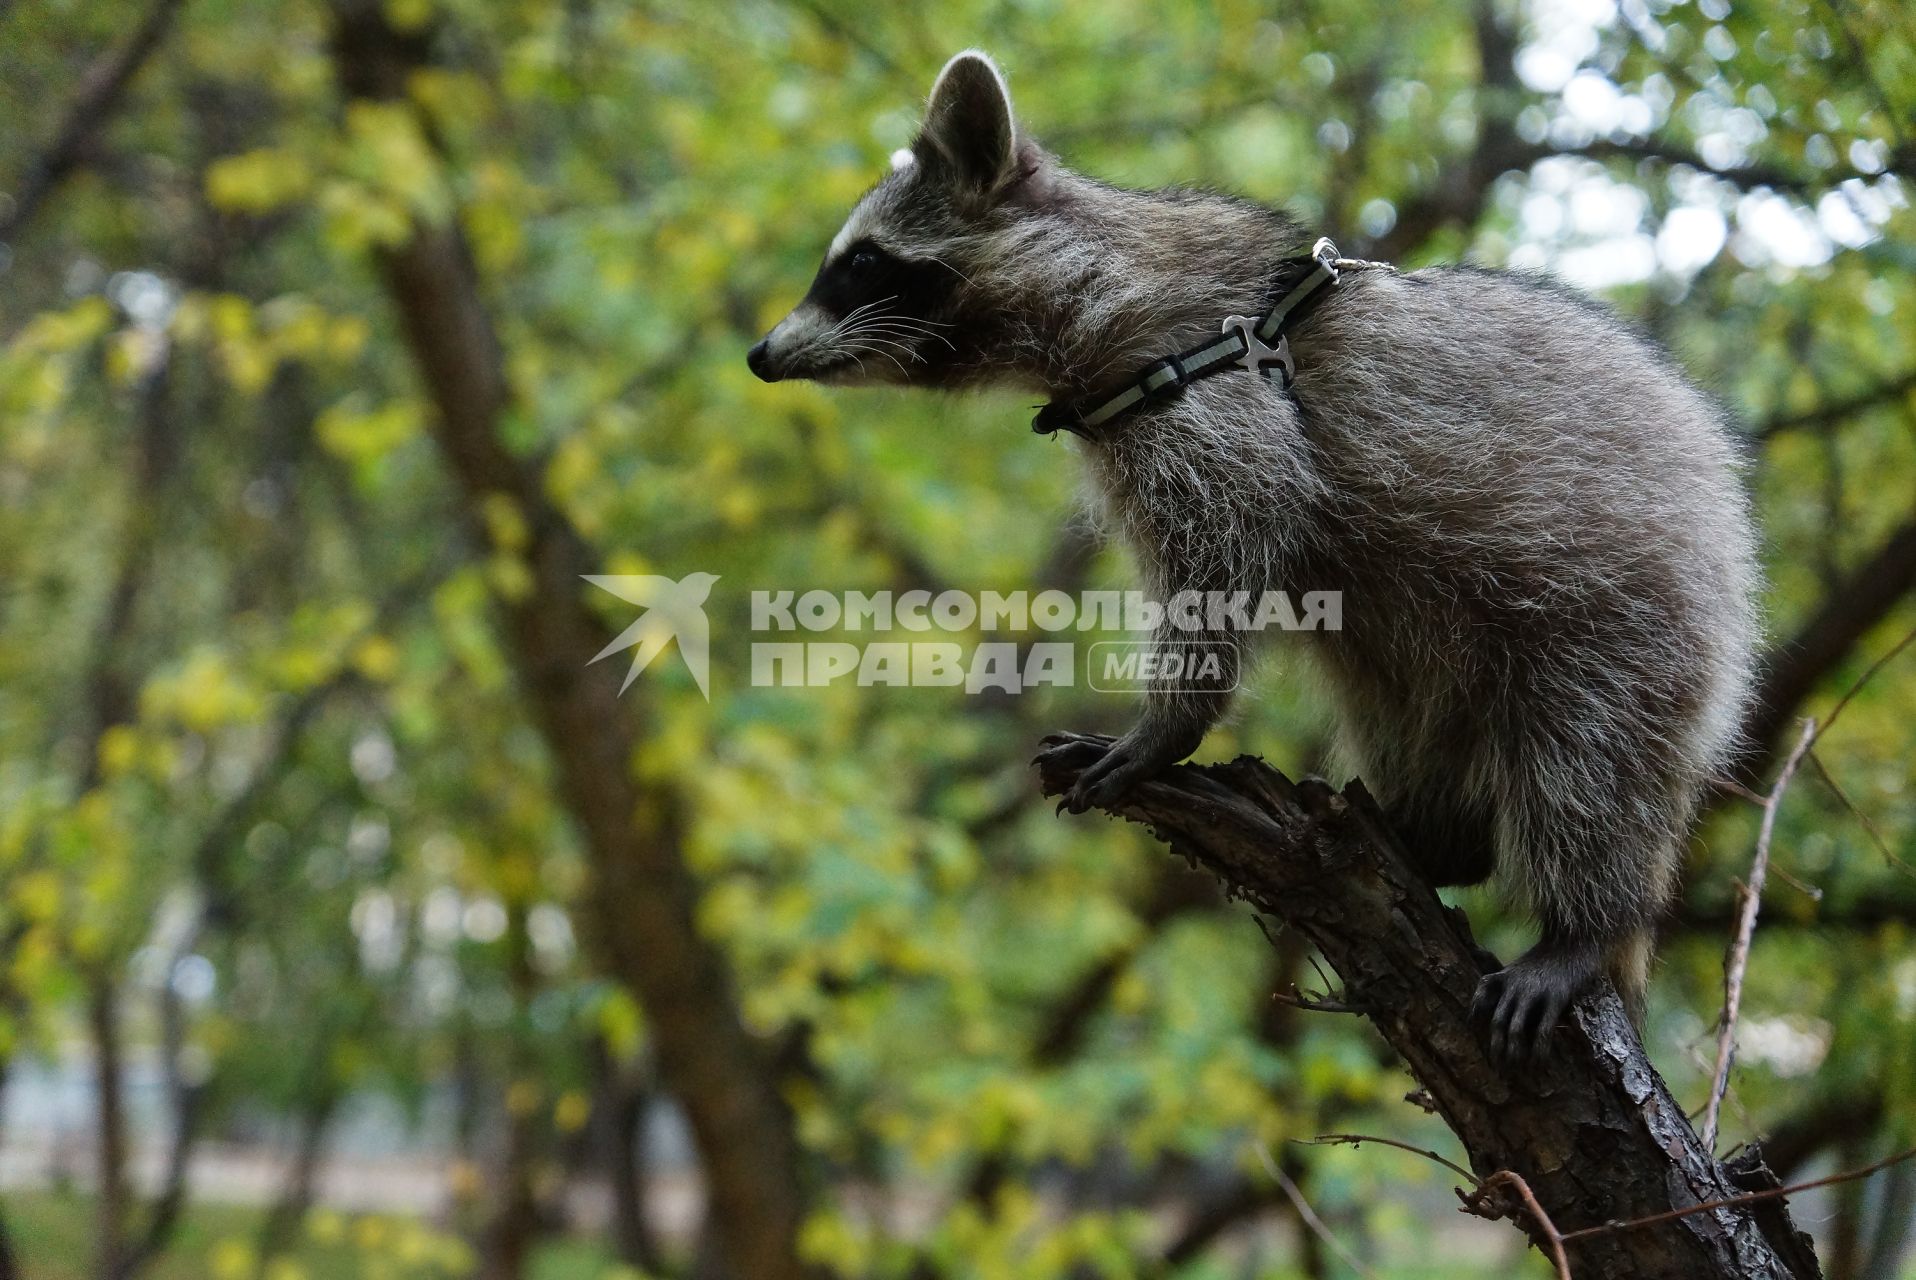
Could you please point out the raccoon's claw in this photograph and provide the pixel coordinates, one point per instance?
(1068, 749)
(1104, 781)
(1094, 756)
(1516, 1015)
(1518, 1007)
(1108, 768)
(1081, 751)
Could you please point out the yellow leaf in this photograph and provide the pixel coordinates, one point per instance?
(505, 522)
(119, 750)
(367, 435)
(347, 337)
(232, 1260)
(571, 1112)
(409, 15)
(377, 658)
(36, 895)
(258, 182)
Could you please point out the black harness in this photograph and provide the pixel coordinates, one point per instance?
(1257, 346)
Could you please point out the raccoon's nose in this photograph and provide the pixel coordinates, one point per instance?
(759, 360)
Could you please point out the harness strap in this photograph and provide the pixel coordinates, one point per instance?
(1259, 347)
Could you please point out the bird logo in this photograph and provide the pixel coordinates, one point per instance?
(673, 610)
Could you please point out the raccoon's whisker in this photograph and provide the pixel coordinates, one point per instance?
(936, 324)
(871, 328)
(852, 316)
(904, 329)
(910, 326)
(875, 351)
(875, 343)
(947, 266)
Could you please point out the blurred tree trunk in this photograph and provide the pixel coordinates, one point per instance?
(1895, 1220)
(641, 906)
(505, 1243)
(295, 1200)
(10, 1007)
(1589, 1127)
(187, 1099)
(110, 1201)
(619, 1116)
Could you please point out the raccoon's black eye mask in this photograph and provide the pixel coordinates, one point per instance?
(868, 275)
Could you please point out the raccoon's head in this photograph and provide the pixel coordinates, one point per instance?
(912, 290)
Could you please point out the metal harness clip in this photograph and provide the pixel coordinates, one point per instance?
(1257, 357)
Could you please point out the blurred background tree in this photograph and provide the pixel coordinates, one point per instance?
(356, 926)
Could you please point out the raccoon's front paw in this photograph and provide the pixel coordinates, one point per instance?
(1518, 1007)
(1109, 768)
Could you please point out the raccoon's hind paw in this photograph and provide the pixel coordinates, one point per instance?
(1071, 750)
(1519, 1006)
(1108, 769)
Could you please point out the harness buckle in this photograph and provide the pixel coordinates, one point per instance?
(1327, 257)
(1162, 379)
(1258, 357)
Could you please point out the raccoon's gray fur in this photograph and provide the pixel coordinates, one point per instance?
(1545, 555)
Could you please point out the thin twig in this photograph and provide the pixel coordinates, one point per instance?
(1730, 786)
(1862, 680)
(1769, 1193)
(1553, 1237)
(1739, 958)
(1813, 892)
(1882, 845)
(1359, 1139)
(1308, 1215)
(1296, 999)
(1322, 977)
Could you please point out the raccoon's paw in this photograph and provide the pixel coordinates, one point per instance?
(1071, 750)
(1107, 768)
(1084, 752)
(1518, 1007)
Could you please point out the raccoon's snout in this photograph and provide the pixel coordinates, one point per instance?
(759, 360)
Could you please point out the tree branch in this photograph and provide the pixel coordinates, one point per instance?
(1832, 1120)
(1591, 1129)
(1835, 411)
(100, 91)
(1792, 670)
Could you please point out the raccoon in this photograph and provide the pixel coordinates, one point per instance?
(1537, 525)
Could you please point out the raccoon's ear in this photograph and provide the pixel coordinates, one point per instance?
(968, 134)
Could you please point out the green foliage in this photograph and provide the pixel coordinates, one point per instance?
(321, 778)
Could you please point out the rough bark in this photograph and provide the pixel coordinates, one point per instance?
(1591, 1129)
(639, 911)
